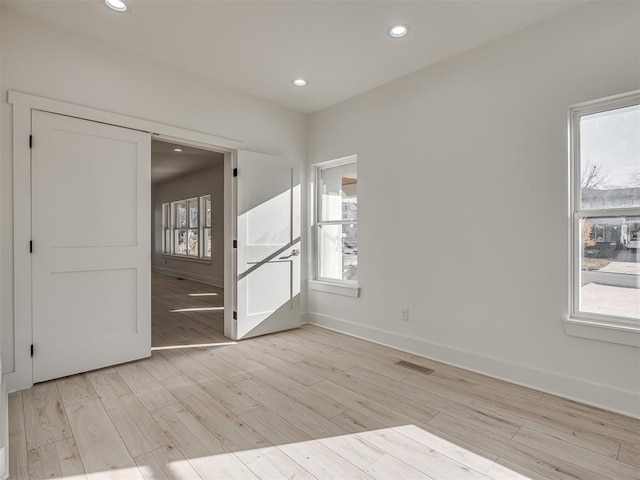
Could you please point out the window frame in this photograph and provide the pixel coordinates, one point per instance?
(326, 284)
(610, 328)
(166, 228)
(204, 225)
(187, 227)
(173, 228)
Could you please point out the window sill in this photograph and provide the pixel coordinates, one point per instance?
(336, 288)
(605, 332)
(181, 258)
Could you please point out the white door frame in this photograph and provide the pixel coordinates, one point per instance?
(23, 104)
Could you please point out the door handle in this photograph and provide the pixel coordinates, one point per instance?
(294, 253)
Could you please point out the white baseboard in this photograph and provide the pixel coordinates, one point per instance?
(597, 395)
(189, 276)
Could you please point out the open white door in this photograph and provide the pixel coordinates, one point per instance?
(91, 245)
(268, 245)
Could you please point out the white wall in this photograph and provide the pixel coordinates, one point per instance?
(452, 154)
(4, 400)
(43, 60)
(206, 182)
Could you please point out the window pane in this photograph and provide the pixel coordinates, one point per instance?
(192, 242)
(167, 241)
(610, 159)
(166, 215)
(207, 211)
(338, 193)
(180, 247)
(610, 266)
(193, 213)
(207, 242)
(338, 251)
(181, 214)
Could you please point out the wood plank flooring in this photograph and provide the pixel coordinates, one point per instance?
(185, 312)
(304, 404)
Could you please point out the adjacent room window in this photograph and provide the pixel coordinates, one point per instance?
(605, 151)
(166, 228)
(337, 221)
(205, 203)
(186, 227)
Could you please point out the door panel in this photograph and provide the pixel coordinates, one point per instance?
(268, 261)
(91, 245)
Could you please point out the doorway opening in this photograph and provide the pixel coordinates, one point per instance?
(102, 270)
(187, 246)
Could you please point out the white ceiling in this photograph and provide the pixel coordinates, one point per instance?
(167, 164)
(257, 47)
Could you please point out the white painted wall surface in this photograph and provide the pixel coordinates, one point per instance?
(4, 399)
(207, 182)
(454, 153)
(51, 62)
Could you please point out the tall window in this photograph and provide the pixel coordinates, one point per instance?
(605, 201)
(206, 225)
(186, 227)
(166, 228)
(337, 221)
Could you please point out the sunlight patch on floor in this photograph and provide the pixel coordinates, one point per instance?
(196, 309)
(198, 345)
(405, 451)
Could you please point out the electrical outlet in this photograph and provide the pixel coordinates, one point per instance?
(404, 314)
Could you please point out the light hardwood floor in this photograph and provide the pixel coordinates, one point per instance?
(201, 323)
(304, 404)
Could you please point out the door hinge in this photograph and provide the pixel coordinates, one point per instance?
(235, 315)
(30, 141)
(235, 244)
(32, 349)
(30, 246)
(235, 172)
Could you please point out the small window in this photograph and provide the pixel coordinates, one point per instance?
(206, 226)
(337, 221)
(166, 228)
(186, 226)
(605, 151)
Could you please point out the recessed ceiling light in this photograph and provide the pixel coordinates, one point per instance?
(299, 82)
(117, 5)
(398, 30)
(178, 150)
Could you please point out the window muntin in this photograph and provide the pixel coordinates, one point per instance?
(186, 226)
(337, 221)
(606, 211)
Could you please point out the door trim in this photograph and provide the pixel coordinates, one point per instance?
(23, 104)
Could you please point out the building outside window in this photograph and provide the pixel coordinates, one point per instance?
(605, 210)
(336, 217)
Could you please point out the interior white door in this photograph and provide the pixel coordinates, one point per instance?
(91, 261)
(268, 249)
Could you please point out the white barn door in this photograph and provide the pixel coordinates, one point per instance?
(91, 255)
(268, 249)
